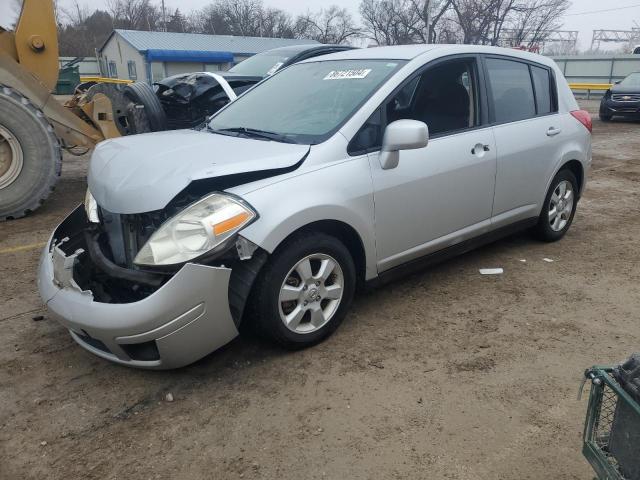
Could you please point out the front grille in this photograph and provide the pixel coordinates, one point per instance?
(626, 97)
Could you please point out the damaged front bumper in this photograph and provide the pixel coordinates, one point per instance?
(185, 319)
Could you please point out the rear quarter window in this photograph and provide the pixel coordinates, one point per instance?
(512, 90)
(543, 86)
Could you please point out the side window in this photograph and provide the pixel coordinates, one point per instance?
(369, 137)
(444, 97)
(512, 90)
(131, 66)
(405, 96)
(543, 85)
(113, 69)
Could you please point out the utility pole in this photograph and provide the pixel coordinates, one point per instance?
(164, 18)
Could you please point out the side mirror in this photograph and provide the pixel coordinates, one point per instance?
(402, 135)
(617, 82)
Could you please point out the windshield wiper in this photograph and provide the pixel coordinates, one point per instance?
(256, 133)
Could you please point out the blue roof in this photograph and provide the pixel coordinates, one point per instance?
(169, 41)
(155, 55)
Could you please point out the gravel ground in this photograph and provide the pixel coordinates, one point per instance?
(443, 374)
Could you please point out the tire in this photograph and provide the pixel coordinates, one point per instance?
(143, 94)
(551, 229)
(32, 136)
(605, 118)
(265, 309)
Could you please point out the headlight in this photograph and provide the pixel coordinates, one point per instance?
(196, 230)
(91, 207)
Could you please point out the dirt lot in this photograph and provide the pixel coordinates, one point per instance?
(444, 374)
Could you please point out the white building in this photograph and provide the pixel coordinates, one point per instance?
(152, 56)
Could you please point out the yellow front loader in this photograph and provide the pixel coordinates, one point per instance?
(35, 127)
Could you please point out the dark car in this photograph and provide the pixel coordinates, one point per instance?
(189, 98)
(623, 99)
(267, 63)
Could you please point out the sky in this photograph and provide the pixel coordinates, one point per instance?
(577, 18)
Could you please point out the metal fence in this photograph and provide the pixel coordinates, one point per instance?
(88, 65)
(596, 69)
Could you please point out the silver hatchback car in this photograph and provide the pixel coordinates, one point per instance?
(336, 171)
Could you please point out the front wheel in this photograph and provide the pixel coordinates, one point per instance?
(559, 207)
(305, 290)
(605, 118)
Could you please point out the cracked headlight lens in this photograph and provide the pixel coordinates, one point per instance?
(196, 230)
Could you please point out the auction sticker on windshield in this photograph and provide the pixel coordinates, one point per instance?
(347, 74)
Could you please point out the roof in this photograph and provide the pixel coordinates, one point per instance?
(143, 41)
(409, 52)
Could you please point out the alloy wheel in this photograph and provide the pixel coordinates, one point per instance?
(561, 205)
(311, 293)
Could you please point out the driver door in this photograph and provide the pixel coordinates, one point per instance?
(442, 194)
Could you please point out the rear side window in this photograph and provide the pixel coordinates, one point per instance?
(542, 83)
(513, 97)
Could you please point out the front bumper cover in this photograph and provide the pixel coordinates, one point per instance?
(627, 109)
(181, 322)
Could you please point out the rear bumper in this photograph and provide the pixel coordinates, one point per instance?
(181, 322)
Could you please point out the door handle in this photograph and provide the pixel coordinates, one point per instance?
(480, 148)
(553, 131)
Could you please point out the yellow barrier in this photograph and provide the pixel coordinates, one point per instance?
(589, 87)
(105, 80)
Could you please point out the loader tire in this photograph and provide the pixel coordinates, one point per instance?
(142, 94)
(30, 156)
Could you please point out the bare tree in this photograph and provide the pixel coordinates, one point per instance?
(533, 23)
(392, 22)
(210, 20)
(277, 23)
(177, 23)
(331, 25)
(81, 31)
(484, 21)
(135, 14)
(242, 16)
(389, 22)
(430, 13)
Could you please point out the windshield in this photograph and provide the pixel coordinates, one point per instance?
(632, 80)
(9, 13)
(307, 102)
(263, 64)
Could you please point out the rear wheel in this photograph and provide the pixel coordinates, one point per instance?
(30, 156)
(559, 207)
(304, 292)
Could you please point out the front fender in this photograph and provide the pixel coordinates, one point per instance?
(341, 192)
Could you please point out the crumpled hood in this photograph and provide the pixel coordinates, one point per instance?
(142, 173)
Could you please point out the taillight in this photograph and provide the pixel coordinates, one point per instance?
(584, 118)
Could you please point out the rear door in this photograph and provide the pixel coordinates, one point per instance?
(528, 134)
